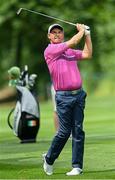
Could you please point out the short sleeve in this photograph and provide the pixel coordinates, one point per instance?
(78, 54)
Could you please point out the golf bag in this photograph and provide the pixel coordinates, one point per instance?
(26, 114)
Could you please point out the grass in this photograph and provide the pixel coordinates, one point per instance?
(23, 161)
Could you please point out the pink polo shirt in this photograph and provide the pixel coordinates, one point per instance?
(62, 65)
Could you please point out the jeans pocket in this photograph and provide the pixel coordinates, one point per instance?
(59, 100)
(82, 99)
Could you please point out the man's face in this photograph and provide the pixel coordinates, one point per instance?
(56, 36)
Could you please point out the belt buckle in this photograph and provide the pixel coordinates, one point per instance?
(74, 92)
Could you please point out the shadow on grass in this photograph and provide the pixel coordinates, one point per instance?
(99, 171)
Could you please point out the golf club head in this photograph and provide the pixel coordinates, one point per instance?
(19, 11)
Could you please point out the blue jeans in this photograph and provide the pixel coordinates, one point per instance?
(70, 109)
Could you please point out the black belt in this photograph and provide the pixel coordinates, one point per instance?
(69, 92)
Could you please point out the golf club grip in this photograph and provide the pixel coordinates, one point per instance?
(86, 27)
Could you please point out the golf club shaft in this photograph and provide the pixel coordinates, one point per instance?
(45, 15)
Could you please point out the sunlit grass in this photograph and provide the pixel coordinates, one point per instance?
(24, 161)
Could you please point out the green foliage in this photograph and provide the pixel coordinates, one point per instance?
(23, 38)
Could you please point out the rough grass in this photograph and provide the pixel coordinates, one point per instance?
(24, 161)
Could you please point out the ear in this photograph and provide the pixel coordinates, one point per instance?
(48, 36)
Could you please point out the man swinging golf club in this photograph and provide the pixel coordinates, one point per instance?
(61, 58)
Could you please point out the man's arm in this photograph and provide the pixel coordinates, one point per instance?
(87, 51)
(76, 38)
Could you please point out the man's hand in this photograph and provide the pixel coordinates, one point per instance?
(87, 32)
(80, 27)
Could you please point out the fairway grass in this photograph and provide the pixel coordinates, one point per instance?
(24, 161)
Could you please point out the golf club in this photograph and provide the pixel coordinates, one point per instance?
(51, 17)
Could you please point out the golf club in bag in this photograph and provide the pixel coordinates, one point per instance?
(26, 114)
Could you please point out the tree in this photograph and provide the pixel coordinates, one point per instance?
(24, 37)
